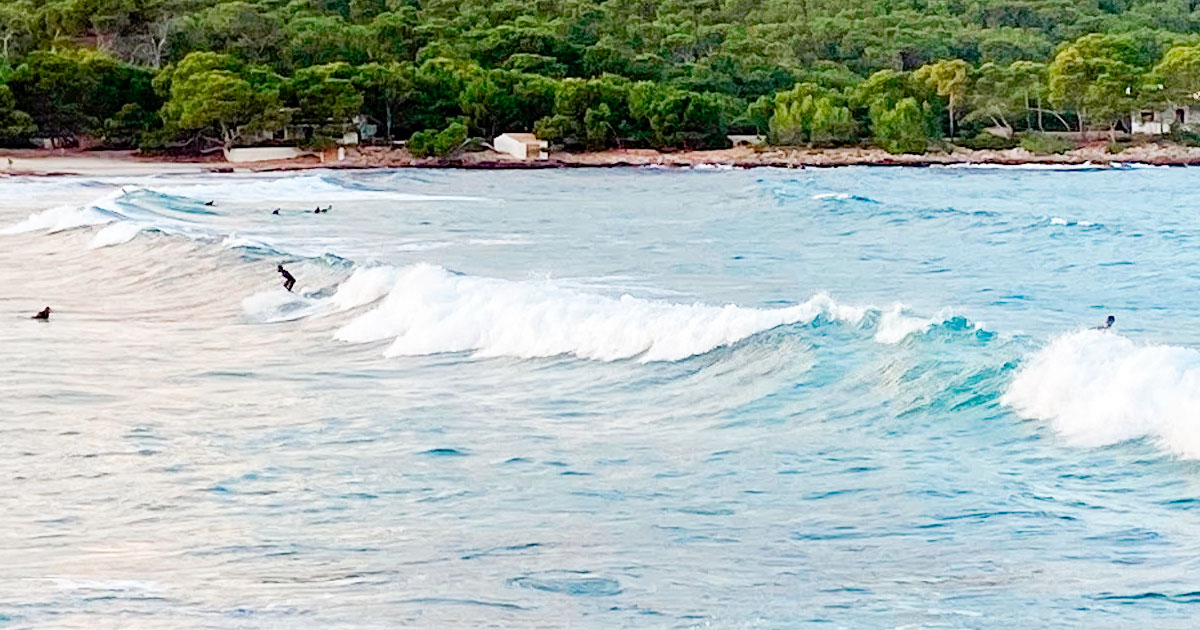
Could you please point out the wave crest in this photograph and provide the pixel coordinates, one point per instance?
(1098, 388)
(431, 310)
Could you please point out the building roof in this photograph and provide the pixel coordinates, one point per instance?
(521, 137)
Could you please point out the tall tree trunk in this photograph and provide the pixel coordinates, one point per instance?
(951, 116)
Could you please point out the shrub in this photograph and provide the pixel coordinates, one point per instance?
(985, 141)
(432, 142)
(901, 129)
(832, 124)
(1117, 147)
(1184, 137)
(1045, 144)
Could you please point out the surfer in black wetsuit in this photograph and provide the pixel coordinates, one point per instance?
(275, 211)
(210, 203)
(1107, 324)
(43, 315)
(288, 280)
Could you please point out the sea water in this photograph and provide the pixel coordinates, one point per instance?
(848, 398)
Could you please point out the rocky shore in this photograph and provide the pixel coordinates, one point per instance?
(45, 162)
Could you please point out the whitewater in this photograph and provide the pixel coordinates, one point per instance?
(642, 398)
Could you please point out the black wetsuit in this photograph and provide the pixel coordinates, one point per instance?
(43, 314)
(288, 280)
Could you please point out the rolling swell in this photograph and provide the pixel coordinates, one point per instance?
(426, 309)
(1092, 388)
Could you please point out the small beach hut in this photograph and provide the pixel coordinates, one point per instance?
(525, 146)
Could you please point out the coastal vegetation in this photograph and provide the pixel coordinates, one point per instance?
(905, 75)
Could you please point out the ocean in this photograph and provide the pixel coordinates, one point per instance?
(611, 398)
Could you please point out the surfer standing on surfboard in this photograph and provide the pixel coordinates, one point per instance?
(288, 280)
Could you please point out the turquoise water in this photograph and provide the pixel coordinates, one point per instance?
(850, 398)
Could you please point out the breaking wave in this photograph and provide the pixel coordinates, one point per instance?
(431, 310)
(1097, 388)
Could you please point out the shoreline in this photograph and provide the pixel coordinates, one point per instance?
(56, 162)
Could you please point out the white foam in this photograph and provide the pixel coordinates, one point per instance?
(364, 286)
(896, 325)
(1031, 166)
(314, 189)
(115, 234)
(1097, 387)
(68, 217)
(1068, 222)
(431, 310)
(280, 305)
(831, 195)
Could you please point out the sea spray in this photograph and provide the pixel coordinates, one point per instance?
(1097, 388)
(66, 217)
(431, 310)
(115, 234)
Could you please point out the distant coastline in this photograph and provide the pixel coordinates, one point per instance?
(38, 162)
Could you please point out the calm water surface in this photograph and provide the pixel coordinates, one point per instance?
(846, 398)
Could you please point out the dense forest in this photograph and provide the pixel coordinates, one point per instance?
(588, 74)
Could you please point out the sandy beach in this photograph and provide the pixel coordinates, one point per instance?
(109, 163)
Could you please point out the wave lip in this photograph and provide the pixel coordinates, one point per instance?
(60, 218)
(1098, 388)
(430, 310)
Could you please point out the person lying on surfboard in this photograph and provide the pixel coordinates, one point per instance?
(288, 280)
(1107, 324)
(44, 314)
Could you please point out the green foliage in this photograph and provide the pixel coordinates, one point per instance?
(386, 88)
(832, 124)
(434, 143)
(1185, 137)
(15, 125)
(1045, 144)
(211, 96)
(669, 74)
(71, 94)
(792, 117)
(987, 141)
(324, 94)
(902, 128)
(1099, 77)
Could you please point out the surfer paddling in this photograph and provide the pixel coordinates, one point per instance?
(288, 280)
(43, 314)
(1107, 324)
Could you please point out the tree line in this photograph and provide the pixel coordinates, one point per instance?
(586, 74)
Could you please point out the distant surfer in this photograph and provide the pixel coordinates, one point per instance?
(1107, 324)
(43, 314)
(275, 211)
(288, 280)
(210, 203)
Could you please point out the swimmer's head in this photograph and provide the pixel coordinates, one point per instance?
(1111, 320)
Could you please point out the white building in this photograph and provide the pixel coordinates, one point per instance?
(525, 146)
(1159, 122)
